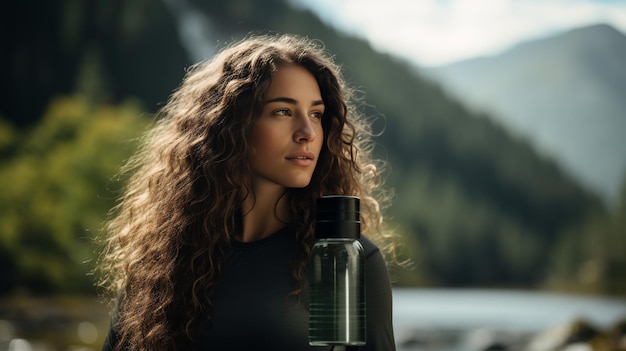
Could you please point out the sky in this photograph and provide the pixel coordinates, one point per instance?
(437, 32)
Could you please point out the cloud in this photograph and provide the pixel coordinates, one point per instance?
(434, 32)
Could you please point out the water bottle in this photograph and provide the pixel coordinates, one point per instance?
(336, 274)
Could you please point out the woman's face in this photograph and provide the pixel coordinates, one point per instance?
(287, 137)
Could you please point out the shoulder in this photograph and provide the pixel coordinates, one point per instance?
(369, 248)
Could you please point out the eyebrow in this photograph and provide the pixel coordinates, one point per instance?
(292, 101)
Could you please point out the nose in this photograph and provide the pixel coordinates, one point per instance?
(305, 132)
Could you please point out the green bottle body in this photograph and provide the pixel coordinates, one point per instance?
(337, 293)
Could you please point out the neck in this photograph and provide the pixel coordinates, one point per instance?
(264, 212)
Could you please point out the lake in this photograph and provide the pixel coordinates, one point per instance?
(468, 319)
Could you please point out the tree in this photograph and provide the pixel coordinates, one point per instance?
(60, 185)
(591, 257)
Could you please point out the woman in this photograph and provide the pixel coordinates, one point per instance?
(208, 247)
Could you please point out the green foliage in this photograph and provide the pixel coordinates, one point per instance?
(8, 136)
(406, 268)
(591, 257)
(465, 241)
(58, 179)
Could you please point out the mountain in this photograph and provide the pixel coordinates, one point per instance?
(475, 205)
(565, 94)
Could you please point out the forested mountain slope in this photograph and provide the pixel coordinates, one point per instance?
(476, 206)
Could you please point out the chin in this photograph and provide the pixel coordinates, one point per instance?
(298, 181)
(299, 184)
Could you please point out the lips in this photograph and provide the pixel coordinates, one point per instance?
(304, 155)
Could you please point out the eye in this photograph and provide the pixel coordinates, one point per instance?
(317, 114)
(282, 112)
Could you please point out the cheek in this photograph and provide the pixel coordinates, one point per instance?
(258, 137)
(320, 141)
(263, 139)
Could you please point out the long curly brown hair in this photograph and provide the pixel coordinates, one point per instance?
(170, 232)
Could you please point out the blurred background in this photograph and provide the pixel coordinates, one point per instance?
(502, 123)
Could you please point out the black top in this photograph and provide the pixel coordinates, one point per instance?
(252, 310)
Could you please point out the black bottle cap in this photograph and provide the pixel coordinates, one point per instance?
(338, 216)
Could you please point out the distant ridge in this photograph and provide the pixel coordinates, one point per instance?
(566, 94)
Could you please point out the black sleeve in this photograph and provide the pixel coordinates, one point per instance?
(378, 300)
